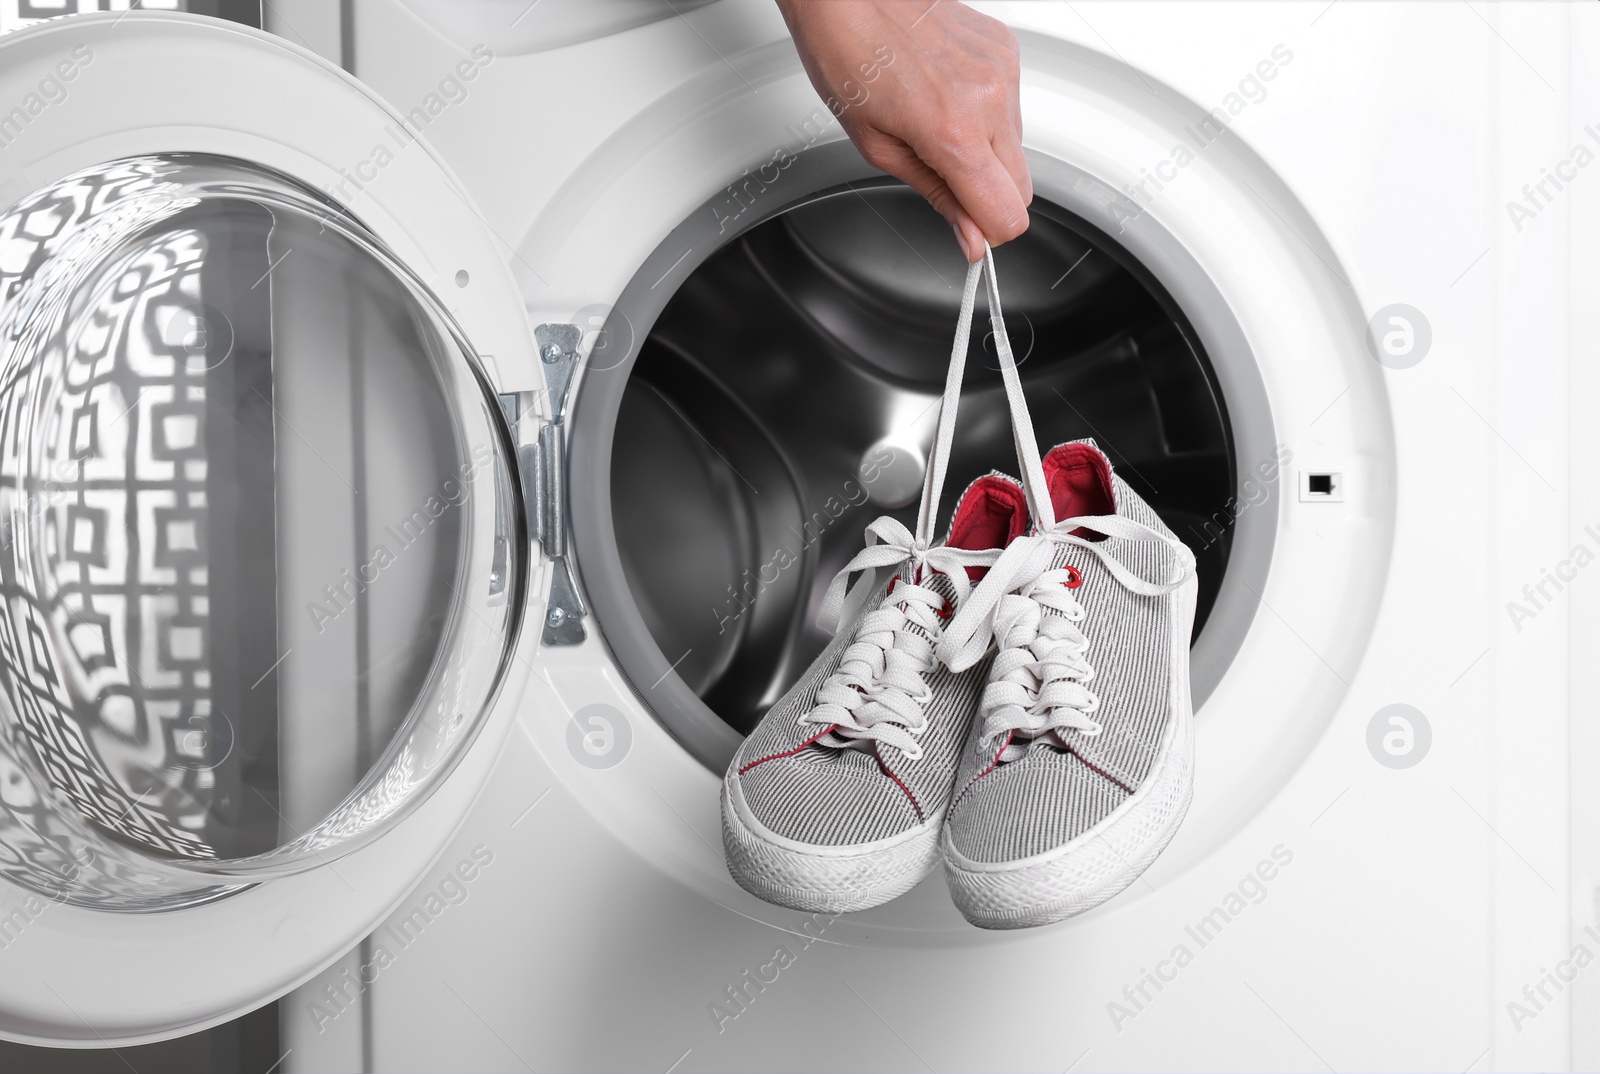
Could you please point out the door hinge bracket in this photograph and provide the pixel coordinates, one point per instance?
(544, 474)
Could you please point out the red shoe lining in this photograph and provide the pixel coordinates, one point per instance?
(1079, 477)
(991, 514)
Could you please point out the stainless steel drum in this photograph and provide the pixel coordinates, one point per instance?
(786, 394)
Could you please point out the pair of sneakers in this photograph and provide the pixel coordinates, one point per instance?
(1013, 701)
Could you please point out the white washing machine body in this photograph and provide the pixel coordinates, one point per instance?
(1355, 885)
(1423, 873)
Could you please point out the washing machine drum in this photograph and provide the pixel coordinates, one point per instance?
(787, 394)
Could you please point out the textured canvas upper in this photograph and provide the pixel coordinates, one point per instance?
(1005, 811)
(827, 796)
(1026, 807)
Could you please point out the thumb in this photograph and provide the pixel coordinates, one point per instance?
(968, 234)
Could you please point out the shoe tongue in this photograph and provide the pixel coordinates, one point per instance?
(992, 513)
(939, 583)
(1021, 745)
(1079, 476)
(847, 750)
(932, 580)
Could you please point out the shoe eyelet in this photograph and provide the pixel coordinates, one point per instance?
(947, 611)
(1074, 578)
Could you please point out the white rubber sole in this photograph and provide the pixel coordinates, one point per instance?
(822, 879)
(1085, 872)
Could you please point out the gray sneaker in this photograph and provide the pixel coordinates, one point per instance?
(1080, 763)
(835, 801)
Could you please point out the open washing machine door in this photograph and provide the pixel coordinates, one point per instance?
(262, 549)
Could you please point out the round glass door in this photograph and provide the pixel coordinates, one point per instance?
(260, 544)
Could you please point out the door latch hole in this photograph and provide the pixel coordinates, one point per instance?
(1324, 485)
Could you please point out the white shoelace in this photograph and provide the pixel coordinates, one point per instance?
(1039, 683)
(878, 694)
(1038, 686)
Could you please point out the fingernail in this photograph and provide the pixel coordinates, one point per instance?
(961, 239)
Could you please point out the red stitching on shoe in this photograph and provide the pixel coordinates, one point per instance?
(1102, 773)
(993, 764)
(790, 753)
(1097, 770)
(903, 787)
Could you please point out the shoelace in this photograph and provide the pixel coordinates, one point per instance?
(1038, 685)
(878, 693)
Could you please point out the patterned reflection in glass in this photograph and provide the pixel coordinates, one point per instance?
(253, 507)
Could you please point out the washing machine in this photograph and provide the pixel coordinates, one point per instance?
(416, 486)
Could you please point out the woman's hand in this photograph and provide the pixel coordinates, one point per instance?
(927, 90)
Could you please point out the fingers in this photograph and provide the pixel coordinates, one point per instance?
(972, 135)
(1008, 147)
(1009, 152)
(988, 191)
(997, 106)
(901, 161)
(943, 114)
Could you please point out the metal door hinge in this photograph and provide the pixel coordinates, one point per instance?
(544, 469)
